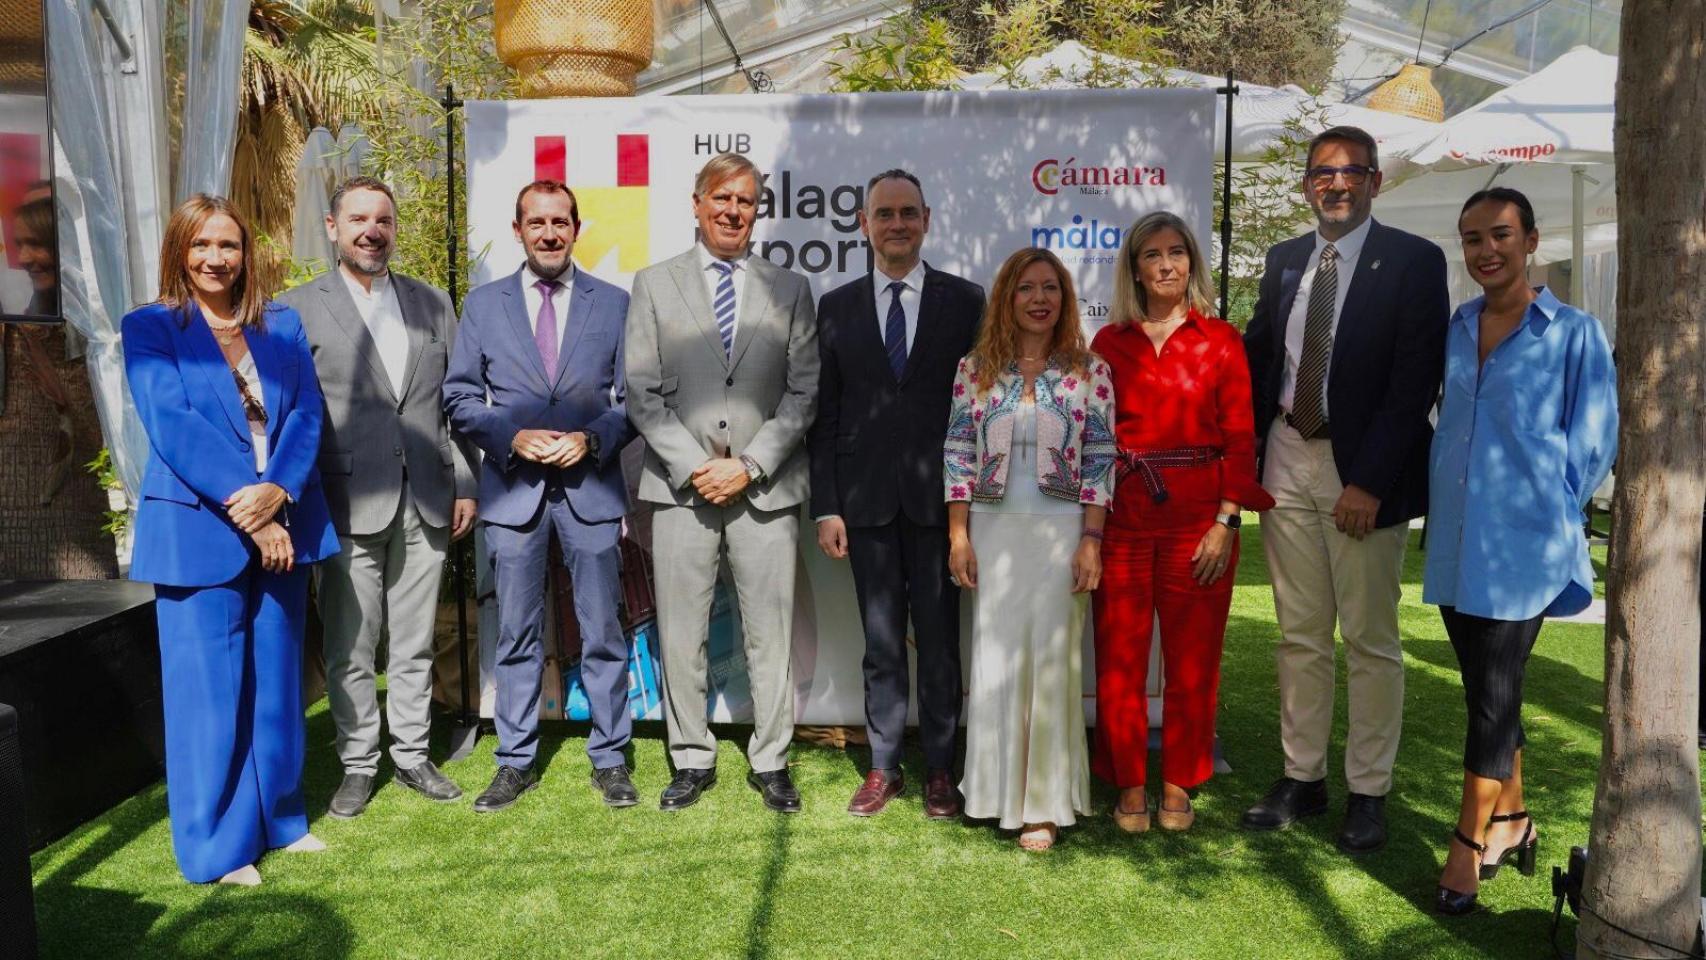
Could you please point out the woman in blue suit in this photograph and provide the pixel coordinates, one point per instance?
(230, 514)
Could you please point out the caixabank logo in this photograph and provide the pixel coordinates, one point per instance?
(612, 217)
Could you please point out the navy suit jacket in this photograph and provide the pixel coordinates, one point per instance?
(495, 356)
(1388, 359)
(876, 444)
(199, 449)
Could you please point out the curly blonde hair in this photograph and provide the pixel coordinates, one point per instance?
(998, 338)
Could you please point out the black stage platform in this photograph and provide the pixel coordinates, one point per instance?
(80, 662)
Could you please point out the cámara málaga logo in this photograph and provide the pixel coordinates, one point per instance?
(1050, 175)
(612, 217)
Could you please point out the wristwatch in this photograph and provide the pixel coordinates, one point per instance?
(592, 445)
(1230, 521)
(754, 472)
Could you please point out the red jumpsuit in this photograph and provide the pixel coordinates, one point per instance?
(1189, 410)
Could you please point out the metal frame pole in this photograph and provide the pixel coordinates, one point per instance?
(1229, 91)
(467, 730)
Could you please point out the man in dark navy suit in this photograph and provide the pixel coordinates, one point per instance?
(1346, 348)
(889, 343)
(545, 344)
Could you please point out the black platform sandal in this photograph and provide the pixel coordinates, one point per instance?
(1525, 852)
(1450, 902)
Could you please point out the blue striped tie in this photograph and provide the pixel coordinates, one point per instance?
(725, 305)
(894, 330)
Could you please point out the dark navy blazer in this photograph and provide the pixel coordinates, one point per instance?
(496, 356)
(199, 446)
(1387, 363)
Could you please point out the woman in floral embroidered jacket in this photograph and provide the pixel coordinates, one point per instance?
(1028, 470)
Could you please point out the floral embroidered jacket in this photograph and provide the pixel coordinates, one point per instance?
(1075, 437)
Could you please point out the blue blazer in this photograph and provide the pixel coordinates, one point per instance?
(1387, 363)
(495, 356)
(199, 451)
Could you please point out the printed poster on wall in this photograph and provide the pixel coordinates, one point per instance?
(1001, 170)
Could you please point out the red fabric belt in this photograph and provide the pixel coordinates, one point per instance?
(1148, 464)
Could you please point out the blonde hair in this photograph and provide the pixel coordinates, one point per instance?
(998, 338)
(248, 301)
(722, 167)
(1130, 299)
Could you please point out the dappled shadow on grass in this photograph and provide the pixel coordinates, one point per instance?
(764, 903)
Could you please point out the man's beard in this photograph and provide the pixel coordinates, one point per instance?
(544, 272)
(372, 263)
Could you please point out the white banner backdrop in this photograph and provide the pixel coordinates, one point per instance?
(1068, 170)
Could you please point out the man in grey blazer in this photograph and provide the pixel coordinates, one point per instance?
(722, 359)
(536, 382)
(400, 488)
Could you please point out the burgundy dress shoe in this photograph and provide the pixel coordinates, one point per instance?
(941, 799)
(874, 794)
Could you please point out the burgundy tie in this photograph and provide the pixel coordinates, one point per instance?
(545, 330)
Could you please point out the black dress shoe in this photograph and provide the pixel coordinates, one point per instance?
(613, 784)
(685, 787)
(777, 789)
(1455, 903)
(352, 796)
(507, 787)
(1365, 824)
(1287, 802)
(428, 781)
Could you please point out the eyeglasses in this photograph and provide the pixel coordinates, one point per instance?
(1322, 177)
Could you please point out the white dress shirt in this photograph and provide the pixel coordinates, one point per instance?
(533, 299)
(1349, 248)
(910, 295)
(712, 278)
(383, 315)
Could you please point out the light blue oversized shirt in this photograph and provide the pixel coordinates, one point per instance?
(1521, 445)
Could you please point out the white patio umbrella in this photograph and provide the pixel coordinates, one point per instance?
(1548, 135)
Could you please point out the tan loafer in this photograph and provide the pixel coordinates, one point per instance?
(1176, 819)
(1132, 822)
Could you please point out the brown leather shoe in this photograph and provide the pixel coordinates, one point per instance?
(874, 794)
(941, 799)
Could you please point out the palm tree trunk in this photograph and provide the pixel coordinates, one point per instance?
(1643, 871)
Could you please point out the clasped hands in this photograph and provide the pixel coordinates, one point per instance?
(720, 481)
(552, 448)
(252, 509)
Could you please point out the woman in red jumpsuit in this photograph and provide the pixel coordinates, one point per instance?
(1187, 467)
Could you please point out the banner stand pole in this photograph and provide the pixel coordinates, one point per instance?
(466, 732)
(1229, 91)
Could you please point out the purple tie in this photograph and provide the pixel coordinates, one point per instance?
(545, 330)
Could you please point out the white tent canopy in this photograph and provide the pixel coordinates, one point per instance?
(1547, 135)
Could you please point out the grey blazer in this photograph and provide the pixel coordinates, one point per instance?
(692, 403)
(370, 434)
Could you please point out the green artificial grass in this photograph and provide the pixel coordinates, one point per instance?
(558, 875)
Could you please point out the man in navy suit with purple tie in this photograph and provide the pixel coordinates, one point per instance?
(545, 345)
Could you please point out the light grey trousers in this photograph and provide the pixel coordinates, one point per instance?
(382, 584)
(687, 543)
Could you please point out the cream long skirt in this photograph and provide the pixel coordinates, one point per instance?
(1026, 758)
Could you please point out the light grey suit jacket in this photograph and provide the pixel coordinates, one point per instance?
(370, 434)
(692, 403)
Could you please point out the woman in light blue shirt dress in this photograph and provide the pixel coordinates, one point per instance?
(1527, 431)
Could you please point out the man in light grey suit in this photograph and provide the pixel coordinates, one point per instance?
(536, 383)
(722, 367)
(399, 486)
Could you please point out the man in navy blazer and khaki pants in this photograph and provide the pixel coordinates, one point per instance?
(545, 345)
(1346, 348)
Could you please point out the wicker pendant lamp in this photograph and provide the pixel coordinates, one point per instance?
(21, 46)
(1412, 93)
(584, 48)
